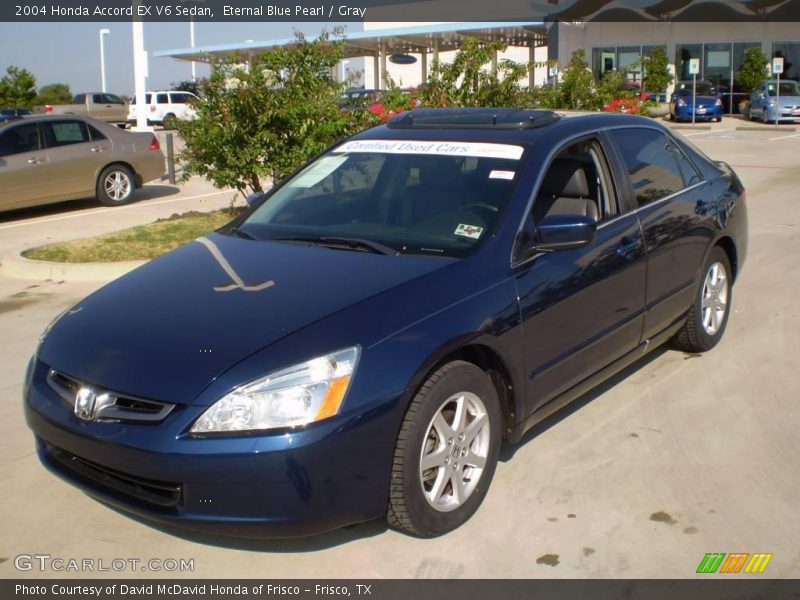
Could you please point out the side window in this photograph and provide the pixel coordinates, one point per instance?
(161, 99)
(112, 99)
(79, 99)
(179, 98)
(576, 183)
(650, 161)
(95, 134)
(99, 99)
(19, 139)
(65, 133)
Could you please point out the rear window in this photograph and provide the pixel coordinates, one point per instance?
(416, 197)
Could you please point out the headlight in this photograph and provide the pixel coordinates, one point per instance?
(772, 103)
(302, 394)
(681, 102)
(718, 102)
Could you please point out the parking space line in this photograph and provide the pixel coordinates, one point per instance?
(36, 221)
(784, 137)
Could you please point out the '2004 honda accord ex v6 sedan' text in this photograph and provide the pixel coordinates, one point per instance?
(358, 343)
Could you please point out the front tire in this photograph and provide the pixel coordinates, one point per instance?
(446, 452)
(708, 317)
(115, 186)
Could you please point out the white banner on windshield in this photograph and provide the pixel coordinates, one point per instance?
(439, 148)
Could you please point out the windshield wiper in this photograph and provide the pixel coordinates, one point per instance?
(242, 233)
(343, 242)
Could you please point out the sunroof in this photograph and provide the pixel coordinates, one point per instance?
(473, 118)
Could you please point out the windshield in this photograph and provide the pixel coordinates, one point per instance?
(414, 197)
(788, 88)
(704, 88)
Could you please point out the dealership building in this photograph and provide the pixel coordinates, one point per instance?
(405, 51)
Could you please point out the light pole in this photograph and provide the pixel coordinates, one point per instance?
(103, 32)
(191, 35)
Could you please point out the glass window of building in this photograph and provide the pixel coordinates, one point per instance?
(790, 51)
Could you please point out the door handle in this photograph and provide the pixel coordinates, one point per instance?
(35, 160)
(627, 246)
(97, 149)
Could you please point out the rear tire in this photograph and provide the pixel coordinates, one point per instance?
(170, 121)
(708, 317)
(446, 451)
(115, 186)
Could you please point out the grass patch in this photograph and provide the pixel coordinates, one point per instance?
(142, 242)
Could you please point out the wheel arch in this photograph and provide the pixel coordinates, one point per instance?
(729, 246)
(488, 359)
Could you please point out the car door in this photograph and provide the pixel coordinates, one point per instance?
(583, 308)
(674, 206)
(74, 157)
(23, 167)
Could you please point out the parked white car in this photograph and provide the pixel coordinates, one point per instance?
(165, 107)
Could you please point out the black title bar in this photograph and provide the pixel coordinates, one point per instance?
(397, 10)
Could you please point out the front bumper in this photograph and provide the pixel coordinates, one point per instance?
(784, 112)
(702, 113)
(282, 484)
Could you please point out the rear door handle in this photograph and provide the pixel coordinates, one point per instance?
(35, 160)
(627, 246)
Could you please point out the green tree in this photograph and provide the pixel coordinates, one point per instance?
(577, 87)
(53, 93)
(753, 69)
(17, 88)
(266, 120)
(612, 86)
(657, 76)
(466, 81)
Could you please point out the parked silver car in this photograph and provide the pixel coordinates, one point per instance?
(47, 159)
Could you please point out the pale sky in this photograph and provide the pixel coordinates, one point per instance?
(70, 52)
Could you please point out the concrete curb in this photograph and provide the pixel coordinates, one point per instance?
(771, 128)
(19, 267)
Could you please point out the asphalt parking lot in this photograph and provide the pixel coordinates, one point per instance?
(678, 456)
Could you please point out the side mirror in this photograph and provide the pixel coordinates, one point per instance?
(565, 232)
(251, 199)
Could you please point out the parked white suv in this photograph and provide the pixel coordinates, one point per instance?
(164, 107)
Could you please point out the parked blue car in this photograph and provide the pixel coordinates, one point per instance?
(768, 105)
(360, 341)
(707, 101)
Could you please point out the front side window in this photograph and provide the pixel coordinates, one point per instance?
(415, 197)
(65, 133)
(180, 98)
(112, 99)
(650, 160)
(19, 139)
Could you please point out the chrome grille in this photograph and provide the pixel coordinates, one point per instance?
(114, 406)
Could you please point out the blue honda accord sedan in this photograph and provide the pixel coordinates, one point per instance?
(359, 342)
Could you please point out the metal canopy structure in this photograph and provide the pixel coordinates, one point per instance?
(380, 43)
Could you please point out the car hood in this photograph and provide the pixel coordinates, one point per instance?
(167, 329)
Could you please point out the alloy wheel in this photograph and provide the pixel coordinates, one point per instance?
(714, 302)
(455, 451)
